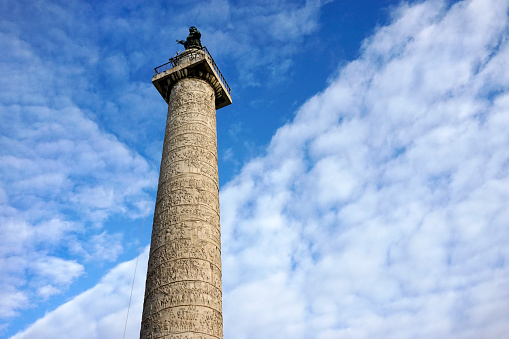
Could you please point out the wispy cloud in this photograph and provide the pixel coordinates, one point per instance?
(261, 34)
(61, 177)
(99, 312)
(380, 210)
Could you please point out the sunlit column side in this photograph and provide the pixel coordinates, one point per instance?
(183, 297)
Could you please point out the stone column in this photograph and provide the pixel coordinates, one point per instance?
(183, 297)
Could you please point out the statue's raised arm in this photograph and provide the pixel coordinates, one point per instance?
(193, 40)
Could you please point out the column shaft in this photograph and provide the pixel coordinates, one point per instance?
(183, 296)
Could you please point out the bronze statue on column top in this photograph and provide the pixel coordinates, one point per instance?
(193, 40)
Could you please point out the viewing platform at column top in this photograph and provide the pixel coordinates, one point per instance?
(192, 63)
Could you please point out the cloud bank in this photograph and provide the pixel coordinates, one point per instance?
(380, 210)
(99, 312)
(61, 178)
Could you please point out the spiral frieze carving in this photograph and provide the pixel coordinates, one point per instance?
(183, 298)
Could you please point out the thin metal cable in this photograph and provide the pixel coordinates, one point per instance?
(139, 246)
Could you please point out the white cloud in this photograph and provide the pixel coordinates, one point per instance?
(269, 34)
(11, 301)
(106, 247)
(99, 312)
(47, 291)
(61, 177)
(58, 270)
(394, 210)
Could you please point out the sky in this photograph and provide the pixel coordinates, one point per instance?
(363, 165)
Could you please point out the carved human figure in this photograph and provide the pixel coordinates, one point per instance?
(183, 289)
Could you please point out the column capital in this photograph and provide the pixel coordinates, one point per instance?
(196, 63)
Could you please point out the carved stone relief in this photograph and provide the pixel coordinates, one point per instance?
(183, 292)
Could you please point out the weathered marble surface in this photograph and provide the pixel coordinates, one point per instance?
(183, 298)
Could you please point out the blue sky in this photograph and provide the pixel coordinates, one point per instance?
(363, 164)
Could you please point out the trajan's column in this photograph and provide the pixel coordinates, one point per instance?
(183, 295)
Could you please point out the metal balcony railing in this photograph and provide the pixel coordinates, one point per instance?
(174, 61)
(223, 80)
